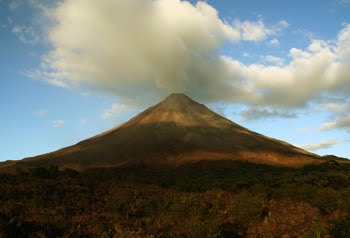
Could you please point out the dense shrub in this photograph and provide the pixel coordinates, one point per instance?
(234, 200)
(340, 228)
(286, 219)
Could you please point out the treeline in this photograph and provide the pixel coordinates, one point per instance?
(226, 199)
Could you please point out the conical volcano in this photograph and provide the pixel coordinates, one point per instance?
(174, 132)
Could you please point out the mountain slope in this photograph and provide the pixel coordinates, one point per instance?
(174, 132)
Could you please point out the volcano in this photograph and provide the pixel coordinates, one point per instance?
(174, 132)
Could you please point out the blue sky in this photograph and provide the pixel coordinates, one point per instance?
(72, 69)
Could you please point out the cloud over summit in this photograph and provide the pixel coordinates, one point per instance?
(149, 48)
(129, 47)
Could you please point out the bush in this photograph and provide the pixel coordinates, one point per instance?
(247, 208)
(286, 219)
(340, 228)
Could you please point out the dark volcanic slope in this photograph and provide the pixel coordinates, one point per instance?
(176, 131)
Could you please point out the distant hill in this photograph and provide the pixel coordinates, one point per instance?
(333, 157)
(174, 132)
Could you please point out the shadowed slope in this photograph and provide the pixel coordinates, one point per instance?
(176, 131)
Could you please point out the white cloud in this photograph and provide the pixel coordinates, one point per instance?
(116, 109)
(310, 74)
(343, 46)
(252, 31)
(143, 50)
(58, 123)
(274, 42)
(158, 45)
(26, 34)
(321, 145)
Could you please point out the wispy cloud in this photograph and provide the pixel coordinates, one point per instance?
(13, 5)
(55, 78)
(273, 59)
(58, 123)
(258, 31)
(273, 42)
(106, 115)
(343, 1)
(83, 121)
(40, 112)
(305, 33)
(321, 145)
(251, 114)
(26, 34)
(303, 130)
(115, 110)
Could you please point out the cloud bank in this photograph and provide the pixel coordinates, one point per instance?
(147, 49)
(341, 123)
(251, 114)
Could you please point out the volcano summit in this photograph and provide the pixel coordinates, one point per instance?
(174, 132)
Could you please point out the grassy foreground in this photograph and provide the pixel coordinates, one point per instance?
(203, 200)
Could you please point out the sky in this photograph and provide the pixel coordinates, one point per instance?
(71, 69)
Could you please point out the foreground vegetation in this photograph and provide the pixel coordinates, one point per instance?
(204, 200)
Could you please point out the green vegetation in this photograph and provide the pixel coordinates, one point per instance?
(228, 199)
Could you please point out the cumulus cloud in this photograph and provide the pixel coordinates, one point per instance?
(144, 50)
(310, 74)
(321, 145)
(140, 47)
(58, 123)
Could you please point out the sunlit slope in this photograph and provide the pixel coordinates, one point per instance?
(174, 132)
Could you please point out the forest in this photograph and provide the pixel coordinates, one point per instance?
(206, 199)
